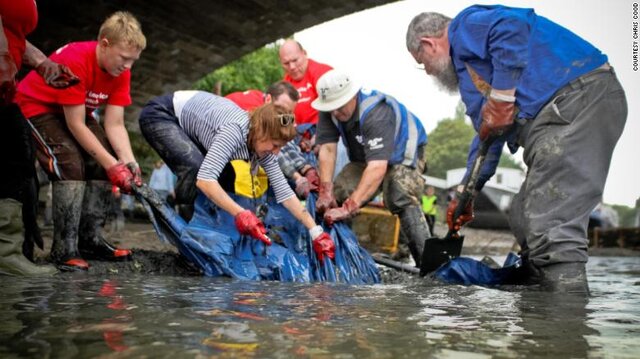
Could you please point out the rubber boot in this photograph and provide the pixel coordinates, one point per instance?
(67, 203)
(415, 228)
(569, 277)
(402, 253)
(95, 206)
(12, 261)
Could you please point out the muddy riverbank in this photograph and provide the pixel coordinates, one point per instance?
(151, 256)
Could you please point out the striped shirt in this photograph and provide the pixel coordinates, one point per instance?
(221, 127)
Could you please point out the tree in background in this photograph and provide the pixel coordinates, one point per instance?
(256, 70)
(626, 215)
(448, 145)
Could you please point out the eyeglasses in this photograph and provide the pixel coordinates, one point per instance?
(286, 119)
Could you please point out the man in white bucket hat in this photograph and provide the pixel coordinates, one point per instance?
(386, 146)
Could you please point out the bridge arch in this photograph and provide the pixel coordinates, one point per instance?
(187, 39)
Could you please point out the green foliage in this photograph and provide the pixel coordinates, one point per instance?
(507, 161)
(256, 70)
(626, 215)
(448, 146)
(449, 142)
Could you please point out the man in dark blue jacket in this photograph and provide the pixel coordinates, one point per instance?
(529, 82)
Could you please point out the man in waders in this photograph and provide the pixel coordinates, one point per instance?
(386, 145)
(531, 83)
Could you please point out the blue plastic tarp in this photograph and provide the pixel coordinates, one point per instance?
(468, 271)
(211, 241)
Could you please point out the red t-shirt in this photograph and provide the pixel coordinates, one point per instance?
(19, 18)
(307, 89)
(95, 89)
(247, 100)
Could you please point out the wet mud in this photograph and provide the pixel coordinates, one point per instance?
(150, 256)
(147, 262)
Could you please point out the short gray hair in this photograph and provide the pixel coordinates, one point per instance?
(426, 24)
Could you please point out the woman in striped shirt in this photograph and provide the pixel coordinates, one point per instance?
(198, 133)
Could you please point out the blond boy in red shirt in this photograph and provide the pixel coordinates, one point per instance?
(80, 151)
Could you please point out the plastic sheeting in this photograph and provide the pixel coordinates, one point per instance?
(211, 241)
(353, 264)
(167, 223)
(468, 271)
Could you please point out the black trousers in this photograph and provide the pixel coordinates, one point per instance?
(17, 156)
(17, 160)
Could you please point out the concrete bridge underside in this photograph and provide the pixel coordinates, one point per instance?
(187, 38)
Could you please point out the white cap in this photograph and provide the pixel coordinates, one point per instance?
(335, 89)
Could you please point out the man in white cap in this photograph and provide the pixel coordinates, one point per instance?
(386, 146)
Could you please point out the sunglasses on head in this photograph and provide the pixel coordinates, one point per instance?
(286, 119)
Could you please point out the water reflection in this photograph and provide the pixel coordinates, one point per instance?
(556, 323)
(523, 323)
(84, 316)
(114, 326)
(22, 321)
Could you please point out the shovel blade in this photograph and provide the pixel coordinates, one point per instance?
(438, 251)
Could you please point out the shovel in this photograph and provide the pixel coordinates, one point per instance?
(438, 251)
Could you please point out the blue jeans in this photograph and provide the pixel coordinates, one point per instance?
(159, 126)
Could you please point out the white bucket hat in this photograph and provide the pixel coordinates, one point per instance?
(335, 89)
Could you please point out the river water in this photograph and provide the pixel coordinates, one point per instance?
(78, 315)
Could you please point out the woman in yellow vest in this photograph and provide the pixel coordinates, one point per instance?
(197, 134)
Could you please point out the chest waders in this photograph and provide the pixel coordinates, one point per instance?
(405, 153)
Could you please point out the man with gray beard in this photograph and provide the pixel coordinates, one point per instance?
(529, 82)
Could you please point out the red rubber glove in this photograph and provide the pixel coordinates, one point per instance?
(323, 246)
(249, 225)
(497, 118)
(120, 175)
(326, 200)
(313, 178)
(8, 70)
(56, 75)
(303, 187)
(349, 209)
(466, 216)
(305, 145)
(136, 172)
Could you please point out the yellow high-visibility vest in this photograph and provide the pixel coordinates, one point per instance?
(428, 204)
